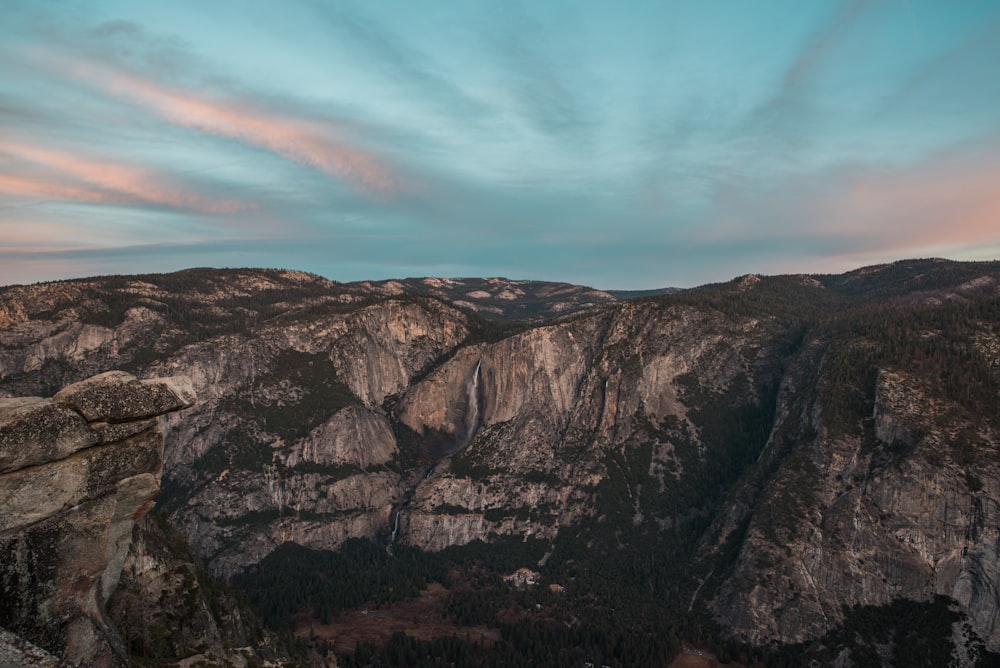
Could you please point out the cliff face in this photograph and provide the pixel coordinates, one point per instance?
(903, 504)
(289, 440)
(170, 613)
(803, 443)
(545, 414)
(76, 472)
(292, 442)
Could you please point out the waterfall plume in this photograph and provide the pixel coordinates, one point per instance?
(473, 410)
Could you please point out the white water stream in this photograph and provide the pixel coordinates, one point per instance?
(472, 413)
(395, 529)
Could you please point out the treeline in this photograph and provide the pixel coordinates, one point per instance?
(295, 579)
(404, 651)
(619, 607)
(901, 633)
(942, 345)
(201, 302)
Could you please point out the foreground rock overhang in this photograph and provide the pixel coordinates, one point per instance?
(76, 471)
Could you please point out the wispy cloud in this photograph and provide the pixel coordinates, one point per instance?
(305, 141)
(630, 147)
(315, 143)
(35, 171)
(824, 41)
(543, 76)
(786, 123)
(389, 51)
(951, 82)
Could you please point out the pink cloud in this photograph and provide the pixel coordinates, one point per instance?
(35, 235)
(936, 204)
(57, 174)
(947, 203)
(308, 142)
(21, 186)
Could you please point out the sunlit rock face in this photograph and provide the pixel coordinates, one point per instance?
(552, 405)
(76, 472)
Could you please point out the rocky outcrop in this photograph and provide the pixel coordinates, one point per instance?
(76, 472)
(15, 651)
(291, 441)
(383, 347)
(171, 613)
(505, 298)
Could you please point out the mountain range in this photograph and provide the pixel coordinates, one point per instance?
(775, 467)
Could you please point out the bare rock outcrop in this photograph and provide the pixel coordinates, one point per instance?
(290, 441)
(16, 651)
(76, 472)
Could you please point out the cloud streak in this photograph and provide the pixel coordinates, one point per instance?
(53, 174)
(405, 64)
(309, 142)
(823, 42)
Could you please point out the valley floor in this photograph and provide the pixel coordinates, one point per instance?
(422, 618)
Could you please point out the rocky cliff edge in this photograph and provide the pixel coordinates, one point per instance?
(76, 472)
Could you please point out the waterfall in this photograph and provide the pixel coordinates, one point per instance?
(395, 528)
(472, 412)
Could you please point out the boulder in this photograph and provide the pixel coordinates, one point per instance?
(35, 430)
(117, 396)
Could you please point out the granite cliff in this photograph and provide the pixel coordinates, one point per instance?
(556, 406)
(76, 472)
(791, 447)
(171, 613)
(901, 503)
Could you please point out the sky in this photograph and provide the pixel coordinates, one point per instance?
(622, 145)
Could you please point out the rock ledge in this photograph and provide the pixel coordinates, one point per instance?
(76, 472)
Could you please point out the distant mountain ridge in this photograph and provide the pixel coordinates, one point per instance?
(496, 298)
(503, 298)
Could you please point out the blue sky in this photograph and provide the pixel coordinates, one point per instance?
(619, 145)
